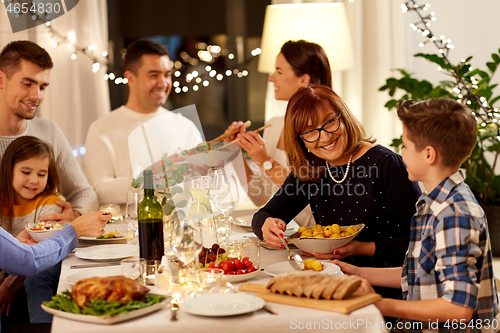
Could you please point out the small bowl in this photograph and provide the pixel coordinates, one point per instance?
(213, 158)
(322, 245)
(235, 278)
(40, 235)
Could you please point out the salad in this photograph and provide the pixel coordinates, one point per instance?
(44, 226)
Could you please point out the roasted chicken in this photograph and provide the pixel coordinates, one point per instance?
(111, 288)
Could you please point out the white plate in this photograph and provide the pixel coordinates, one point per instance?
(108, 252)
(219, 305)
(239, 278)
(109, 271)
(106, 320)
(285, 268)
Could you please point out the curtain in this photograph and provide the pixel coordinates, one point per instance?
(76, 95)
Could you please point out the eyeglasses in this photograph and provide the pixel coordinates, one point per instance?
(329, 127)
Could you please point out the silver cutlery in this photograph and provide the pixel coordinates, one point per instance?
(102, 264)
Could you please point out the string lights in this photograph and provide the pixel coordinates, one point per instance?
(465, 85)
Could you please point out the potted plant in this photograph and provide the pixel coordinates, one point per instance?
(473, 88)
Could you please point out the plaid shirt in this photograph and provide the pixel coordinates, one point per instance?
(449, 255)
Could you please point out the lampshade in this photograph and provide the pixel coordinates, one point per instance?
(321, 23)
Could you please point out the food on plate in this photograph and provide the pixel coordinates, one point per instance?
(95, 296)
(111, 234)
(110, 288)
(215, 254)
(329, 231)
(316, 286)
(312, 264)
(44, 226)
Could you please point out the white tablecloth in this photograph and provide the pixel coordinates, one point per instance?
(289, 318)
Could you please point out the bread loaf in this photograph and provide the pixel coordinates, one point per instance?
(314, 285)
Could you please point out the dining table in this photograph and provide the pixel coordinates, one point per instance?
(287, 318)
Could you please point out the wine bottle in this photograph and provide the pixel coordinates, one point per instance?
(150, 218)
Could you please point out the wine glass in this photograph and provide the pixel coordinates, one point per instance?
(134, 197)
(187, 243)
(224, 194)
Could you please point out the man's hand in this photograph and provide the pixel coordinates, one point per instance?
(67, 215)
(24, 237)
(6, 298)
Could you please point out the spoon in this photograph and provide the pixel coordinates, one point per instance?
(294, 259)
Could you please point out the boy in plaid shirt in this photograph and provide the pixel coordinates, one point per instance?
(447, 278)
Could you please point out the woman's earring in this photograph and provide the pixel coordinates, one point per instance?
(308, 150)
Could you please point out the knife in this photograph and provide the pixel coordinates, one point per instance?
(102, 264)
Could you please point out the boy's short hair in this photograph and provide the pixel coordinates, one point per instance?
(139, 48)
(14, 52)
(445, 124)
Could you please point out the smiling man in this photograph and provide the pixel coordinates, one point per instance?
(107, 162)
(24, 77)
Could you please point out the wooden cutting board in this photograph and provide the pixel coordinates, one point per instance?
(354, 302)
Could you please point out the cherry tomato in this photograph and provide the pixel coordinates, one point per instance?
(231, 272)
(247, 262)
(240, 271)
(251, 269)
(238, 264)
(226, 266)
(212, 265)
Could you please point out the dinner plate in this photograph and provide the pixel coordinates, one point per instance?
(109, 271)
(239, 277)
(106, 320)
(107, 252)
(220, 305)
(284, 267)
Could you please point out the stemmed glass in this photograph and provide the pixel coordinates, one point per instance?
(225, 196)
(133, 199)
(187, 243)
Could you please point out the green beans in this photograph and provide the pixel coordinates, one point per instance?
(98, 307)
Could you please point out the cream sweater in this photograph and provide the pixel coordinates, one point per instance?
(107, 162)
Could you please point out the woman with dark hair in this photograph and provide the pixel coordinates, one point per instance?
(345, 178)
(298, 64)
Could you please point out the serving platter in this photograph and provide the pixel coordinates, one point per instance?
(106, 320)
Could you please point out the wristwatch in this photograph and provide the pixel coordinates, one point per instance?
(268, 165)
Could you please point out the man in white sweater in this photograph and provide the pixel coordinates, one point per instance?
(24, 76)
(107, 162)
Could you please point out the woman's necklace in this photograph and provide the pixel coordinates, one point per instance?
(346, 172)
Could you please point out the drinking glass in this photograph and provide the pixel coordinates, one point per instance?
(134, 197)
(187, 243)
(225, 196)
(201, 209)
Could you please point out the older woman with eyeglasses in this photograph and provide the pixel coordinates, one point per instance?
(345, 178)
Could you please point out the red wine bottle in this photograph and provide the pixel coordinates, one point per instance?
(150, 217)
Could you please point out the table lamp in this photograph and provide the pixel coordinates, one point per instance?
(321, 23)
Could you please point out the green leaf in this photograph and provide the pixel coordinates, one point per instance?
(182, 203)
(391, 104)
(494, 100)
(175, 190)
(491, 66)
(495, 58)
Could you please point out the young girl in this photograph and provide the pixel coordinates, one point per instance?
(29, 183)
